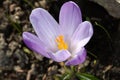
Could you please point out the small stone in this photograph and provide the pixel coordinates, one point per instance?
(18, 69)
(118, 1)
(12, 7)
(13, 45)
(112, 6)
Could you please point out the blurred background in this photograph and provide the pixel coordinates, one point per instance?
(17, 62)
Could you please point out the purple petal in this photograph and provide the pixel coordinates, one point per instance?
(45, 26)
(82, 34)
(70, 17)
(60, 55)
(78, 58)
(35, 44)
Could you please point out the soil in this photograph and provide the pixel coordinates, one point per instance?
(17, 62)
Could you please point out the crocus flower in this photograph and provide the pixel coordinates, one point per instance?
(61, 42)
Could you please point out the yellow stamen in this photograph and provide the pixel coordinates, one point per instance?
(61, 43)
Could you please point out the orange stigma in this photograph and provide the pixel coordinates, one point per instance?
(61, 43)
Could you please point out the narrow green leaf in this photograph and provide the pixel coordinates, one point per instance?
(104, 30)
(29, 3)
(15, 25)
(65, 77)
(85, 76)
(26, 50)
(92, 54)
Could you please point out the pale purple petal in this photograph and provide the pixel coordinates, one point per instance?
(45, 26)
(60, 55)
(69, 18)
(78, 58)
(35, 44)
(82, 35)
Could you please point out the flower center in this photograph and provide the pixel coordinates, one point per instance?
(61, 43)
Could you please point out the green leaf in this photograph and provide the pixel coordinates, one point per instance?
(104, 30)
(63, 77)
(92, 54)
(66, 76)
(85, 76)
(29, 3)
(26, 50)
